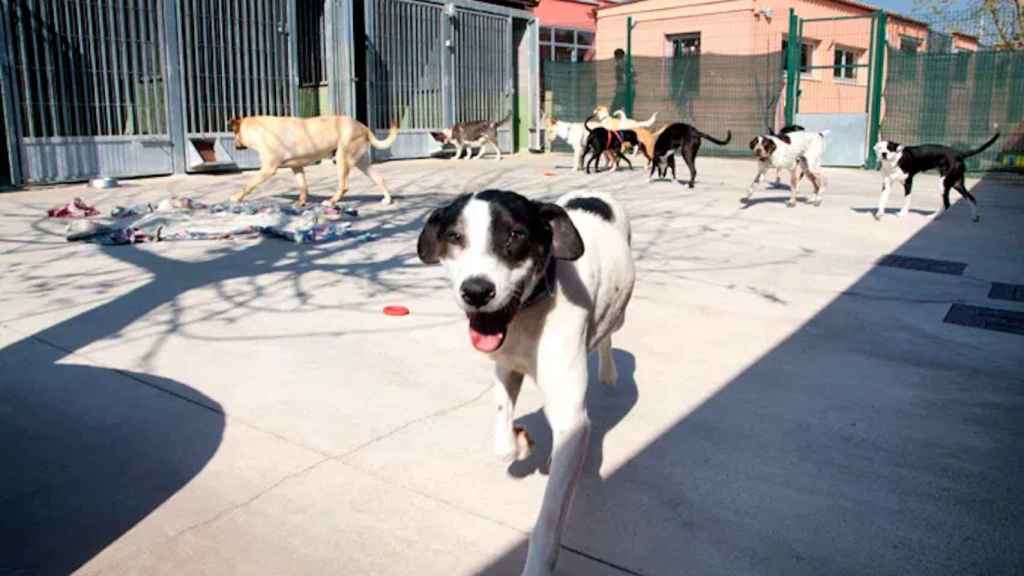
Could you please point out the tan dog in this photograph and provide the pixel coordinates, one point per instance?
(287, 142)
(646, 139)
(618, 121)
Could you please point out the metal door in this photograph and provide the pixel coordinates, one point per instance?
(482, 74)
(405, 66)
(841, 95)
(238, 58)
(431, 64)
(84, 88)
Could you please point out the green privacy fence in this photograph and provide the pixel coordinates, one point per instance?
(713, 92)
(958, 99)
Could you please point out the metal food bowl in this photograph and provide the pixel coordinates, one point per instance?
(103, 183)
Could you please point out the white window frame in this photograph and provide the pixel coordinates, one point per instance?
(812, 46)
(578, 50)
(857, 54)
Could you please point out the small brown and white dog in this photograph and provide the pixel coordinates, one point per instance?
(288, 142)
(478, 133)
(618, 120)
(798, 152)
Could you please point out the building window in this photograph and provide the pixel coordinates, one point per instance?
(910, 44)
(844, 58)
(685, 64)
(806, 57)
(565, 44)
(685, 44)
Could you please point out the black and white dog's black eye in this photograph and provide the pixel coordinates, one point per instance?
(517, 234)
(453, 237)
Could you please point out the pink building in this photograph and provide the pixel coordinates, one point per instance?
(568, 27)
(667, 28)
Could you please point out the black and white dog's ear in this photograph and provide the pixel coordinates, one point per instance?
(429, 245)
(753, 142)
(566, 243)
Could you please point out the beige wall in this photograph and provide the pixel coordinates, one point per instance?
(741, 27)
(725, 26)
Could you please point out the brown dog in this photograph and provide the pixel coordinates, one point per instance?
(646, 139)
(287, 142)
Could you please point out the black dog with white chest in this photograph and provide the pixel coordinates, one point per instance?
(684, 139)
(602, 141)
(902, 163)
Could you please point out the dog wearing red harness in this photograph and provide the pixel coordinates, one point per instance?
(601, 141)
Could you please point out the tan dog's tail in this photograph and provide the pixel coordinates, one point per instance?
(387, 142)
(649, 122)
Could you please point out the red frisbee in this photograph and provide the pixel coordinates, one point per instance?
(396, 310)
(551, 173)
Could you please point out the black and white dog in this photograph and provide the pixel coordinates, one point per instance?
(685, 140)
(901, 163)
(541, 284)
(604, 142)
(478, 133)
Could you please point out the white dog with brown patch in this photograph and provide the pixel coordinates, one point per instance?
(542, 285)
(798, 152)
(287, 142)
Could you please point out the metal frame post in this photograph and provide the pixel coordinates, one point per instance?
(293, 58)
(629, 66)
(447, 66)
(532, 37)
(792, 66)
(875, 91)
(174, 96)
(338, 56)
(8, 94)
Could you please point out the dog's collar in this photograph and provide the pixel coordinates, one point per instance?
(544, 288)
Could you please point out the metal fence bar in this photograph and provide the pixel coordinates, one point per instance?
(161, 53)
(275, 68)
(19, 37)
(130, 125)
(293, 60)
(115, 69)
(8, 90)
(231, 51)
(263, 86)
(222, 30)
(244, 57)
(51, 21)
(169, 36)
(134, 44)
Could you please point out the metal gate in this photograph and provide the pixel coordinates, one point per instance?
(483, 70)
(84, 88)
(144, 87)
(842, 95)
(238, 58)
(431, 64)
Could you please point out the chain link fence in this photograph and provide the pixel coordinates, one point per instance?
(959, 99)
(715, 93)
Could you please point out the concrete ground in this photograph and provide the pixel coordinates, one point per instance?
(243, 407)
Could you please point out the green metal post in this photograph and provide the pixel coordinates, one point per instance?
(792, 65)
(629, 67)
(877, 76)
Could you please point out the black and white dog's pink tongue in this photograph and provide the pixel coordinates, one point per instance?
(485, 342)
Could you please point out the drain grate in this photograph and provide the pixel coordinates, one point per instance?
(986, 318)
(924, 264)
(1011, 292)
